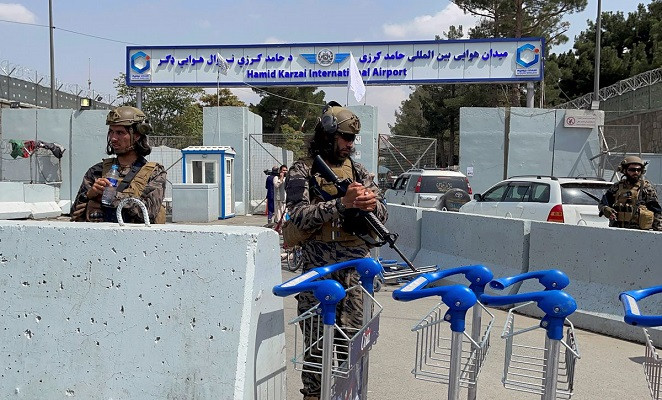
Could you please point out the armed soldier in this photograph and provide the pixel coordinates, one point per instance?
(632, 202)
(127, 139)
(317, 216)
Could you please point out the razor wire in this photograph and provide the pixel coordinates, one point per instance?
(31, 75)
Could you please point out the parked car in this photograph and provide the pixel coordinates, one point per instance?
(543, 198)
(427, 187)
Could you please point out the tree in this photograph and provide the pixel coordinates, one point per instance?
(223, 97)
(291, 106)
(521, 18)
(171, 111)
(629, 46)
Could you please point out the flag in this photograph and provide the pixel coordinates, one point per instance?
(355, 83)
(223, 65)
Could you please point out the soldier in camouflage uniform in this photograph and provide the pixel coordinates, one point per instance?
(321, 220)
(632, 202)
(127, 139)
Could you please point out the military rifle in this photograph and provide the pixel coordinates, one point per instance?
(367, 219)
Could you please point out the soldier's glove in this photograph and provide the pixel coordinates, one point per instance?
(79, 212)
(608, 211)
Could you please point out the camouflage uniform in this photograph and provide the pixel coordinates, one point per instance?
(152, 195)
(309, 212)
(647, 196)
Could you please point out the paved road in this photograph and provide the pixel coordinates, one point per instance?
(608, 369)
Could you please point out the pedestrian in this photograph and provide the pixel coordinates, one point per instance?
(632, 202)
(279, 194)
(318, 222)
(127, 140)
(269, 185)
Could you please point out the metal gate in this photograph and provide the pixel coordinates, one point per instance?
(616, 141)
(398, 154)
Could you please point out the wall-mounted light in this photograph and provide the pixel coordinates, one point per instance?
(85, 103)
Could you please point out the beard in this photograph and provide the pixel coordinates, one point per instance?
(340, 155)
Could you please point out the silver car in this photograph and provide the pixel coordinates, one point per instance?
(427, 187)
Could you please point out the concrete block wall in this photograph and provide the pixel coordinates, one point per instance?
(98, 311)
(600, 262)
(538, 143)
(21, 200)
(450, 239)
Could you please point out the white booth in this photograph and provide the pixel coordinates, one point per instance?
(212, 165)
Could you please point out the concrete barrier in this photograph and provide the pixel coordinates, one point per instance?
(19, 200)
(451, 239)
(406, 222)
(99, 311)
(601, 263)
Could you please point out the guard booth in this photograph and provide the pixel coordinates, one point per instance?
(212, 165)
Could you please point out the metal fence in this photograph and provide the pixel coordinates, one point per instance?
(398, 154)
(615, 142)
(266, 151)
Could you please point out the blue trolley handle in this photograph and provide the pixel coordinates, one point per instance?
(478, 275)
(556, 305)
(632, 314)
(552, 279)
(327, 291)
(367, 268)
(458, 298)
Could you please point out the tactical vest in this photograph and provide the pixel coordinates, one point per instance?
(625, 203)
(332, 231)
(137, 184)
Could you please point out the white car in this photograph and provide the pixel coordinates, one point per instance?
(425, 187)
(543, 198)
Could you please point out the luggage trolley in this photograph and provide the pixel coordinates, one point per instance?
(454, 359)
(548, 370)
(338, 353)
(652, 360)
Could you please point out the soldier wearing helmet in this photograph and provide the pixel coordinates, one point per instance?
(317, 213)
(127, 140)
(632, 202)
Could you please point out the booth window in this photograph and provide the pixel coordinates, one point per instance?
(204, 171)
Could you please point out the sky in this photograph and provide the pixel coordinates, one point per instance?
(90, 38)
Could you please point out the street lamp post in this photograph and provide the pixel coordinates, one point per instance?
(596, 68)
(51, 28)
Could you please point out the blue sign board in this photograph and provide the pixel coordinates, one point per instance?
(328, 64)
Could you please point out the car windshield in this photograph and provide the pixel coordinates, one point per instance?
(583, 193)
(442, 184)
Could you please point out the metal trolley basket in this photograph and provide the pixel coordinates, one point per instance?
(524, 365)
(349, 345)
(548, 370)
(340, 354)
(433, 347)
(652, 360)
(446, 353)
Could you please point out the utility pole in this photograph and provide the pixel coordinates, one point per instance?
(596, 68)
(51, 29)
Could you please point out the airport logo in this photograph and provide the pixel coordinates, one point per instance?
(325, 57)
(140, 64)
(528, 57)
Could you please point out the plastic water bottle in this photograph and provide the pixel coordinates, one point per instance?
(109, 191)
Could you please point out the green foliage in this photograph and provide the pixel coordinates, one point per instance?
(294, 141)
(630, 45)
(223, 97)
(291, 106)
(171, 111)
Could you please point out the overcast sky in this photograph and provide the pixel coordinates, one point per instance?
(91, 36)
